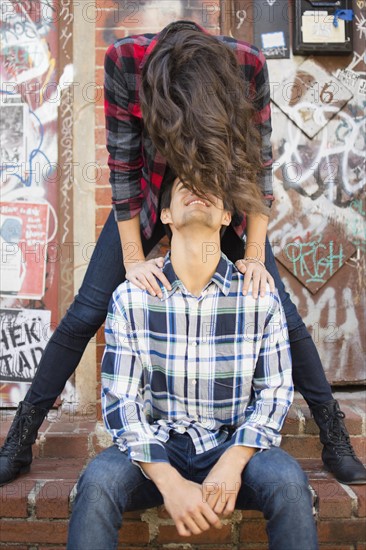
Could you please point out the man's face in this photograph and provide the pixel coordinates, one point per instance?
(186, 209)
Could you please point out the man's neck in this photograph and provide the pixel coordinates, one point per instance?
(195, 259)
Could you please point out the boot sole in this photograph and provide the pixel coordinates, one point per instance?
(363, 482)
(23, 470)
(360, 482)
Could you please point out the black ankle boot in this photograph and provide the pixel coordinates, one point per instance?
(16, 453)
(338, 454)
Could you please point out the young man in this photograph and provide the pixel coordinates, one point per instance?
(195, 388)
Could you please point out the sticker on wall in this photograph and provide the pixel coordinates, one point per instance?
(362, 86)
(317, 95)
(271, 29)
(23, 334)
(349, 78)
(23, 241)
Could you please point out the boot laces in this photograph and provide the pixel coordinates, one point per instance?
(338, 436)
(16, 434)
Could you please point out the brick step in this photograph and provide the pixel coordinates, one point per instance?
(35, 510)
(65, 435)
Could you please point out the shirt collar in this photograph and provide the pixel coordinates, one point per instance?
(222, 277)
(153, 42)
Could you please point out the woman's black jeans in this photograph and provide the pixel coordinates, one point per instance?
(89, 308)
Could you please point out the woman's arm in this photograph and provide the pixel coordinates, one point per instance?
(125, 162)
(256, 236)
(130, 235)
(252, 265)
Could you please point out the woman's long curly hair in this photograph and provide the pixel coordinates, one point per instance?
(198, 113)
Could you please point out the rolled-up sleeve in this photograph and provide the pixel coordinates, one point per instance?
(123, 135)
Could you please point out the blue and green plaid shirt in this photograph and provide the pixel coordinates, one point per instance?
(210, 365)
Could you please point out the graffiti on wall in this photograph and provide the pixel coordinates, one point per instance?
(30, 96)
(318, 220)
(23, 336)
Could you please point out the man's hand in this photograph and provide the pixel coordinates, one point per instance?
(143, 274)
(259, 274)
(183, 499)
(190, 513)
(221, 487)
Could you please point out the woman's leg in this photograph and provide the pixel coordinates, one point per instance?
(307, 369)
(309, 378)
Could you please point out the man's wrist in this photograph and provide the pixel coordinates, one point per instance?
(162, 474)
(239, 454)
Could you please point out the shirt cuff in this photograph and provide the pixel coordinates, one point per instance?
(151, 451)
(156, 450)
(252, 436)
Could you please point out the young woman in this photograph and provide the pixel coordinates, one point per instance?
(198, 105)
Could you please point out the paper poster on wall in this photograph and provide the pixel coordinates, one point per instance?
(318, 27)
(13, 132)
(23, 335)
(23, 241)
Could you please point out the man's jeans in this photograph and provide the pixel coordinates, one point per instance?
(272, 482)
(88, 311)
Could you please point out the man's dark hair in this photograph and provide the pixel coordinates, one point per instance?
(196, 109)
(166, 198)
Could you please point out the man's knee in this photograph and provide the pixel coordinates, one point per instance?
(285, 480)
(102, 484)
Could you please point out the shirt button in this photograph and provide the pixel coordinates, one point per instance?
(132, 453)
(194, 344)
(181, 429)
(194, 382)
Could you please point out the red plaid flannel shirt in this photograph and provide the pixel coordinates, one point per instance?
(136, 167)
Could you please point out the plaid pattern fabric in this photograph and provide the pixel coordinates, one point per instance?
(207, 365)
(136, 167)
